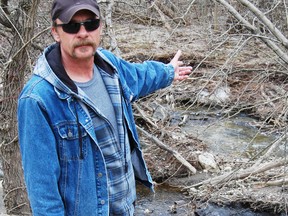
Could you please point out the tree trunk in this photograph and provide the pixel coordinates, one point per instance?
(15, 196)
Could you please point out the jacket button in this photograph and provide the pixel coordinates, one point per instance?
(70, 134)
(102, 202)
(100, 175)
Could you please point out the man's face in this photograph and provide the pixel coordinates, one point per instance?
(80, 45)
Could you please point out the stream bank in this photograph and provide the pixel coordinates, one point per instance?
(234, 143)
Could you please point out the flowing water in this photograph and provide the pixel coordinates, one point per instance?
(165, 201)
(238, 136)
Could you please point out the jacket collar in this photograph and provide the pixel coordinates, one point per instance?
(54, 60)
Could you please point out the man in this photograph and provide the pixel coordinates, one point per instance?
(78, 140)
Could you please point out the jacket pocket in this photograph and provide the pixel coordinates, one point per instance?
(69, 142)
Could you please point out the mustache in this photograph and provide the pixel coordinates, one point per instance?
(84, 43)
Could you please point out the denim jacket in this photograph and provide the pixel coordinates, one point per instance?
(62, 177)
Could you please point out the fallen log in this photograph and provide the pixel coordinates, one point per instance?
(279, 182)
(240, 174)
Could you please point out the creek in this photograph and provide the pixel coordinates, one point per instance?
(238, 137)
(171, 201)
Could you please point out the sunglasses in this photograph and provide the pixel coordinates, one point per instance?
(74, 27)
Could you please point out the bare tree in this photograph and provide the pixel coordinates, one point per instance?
(19, 22)
(109, 26)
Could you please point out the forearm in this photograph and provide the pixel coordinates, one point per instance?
(142, 78)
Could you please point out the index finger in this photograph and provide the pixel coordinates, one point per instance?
(177, 56)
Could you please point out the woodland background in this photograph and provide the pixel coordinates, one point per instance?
(238, 47)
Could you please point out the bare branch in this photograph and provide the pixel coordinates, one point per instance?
(11, 25)
(110, 30)
(274, 30)
(286, 11)
(25, 45)
(162, 16)
(188, 9)
(270, 151)
(255, 31)
(176, 154)
(4, 5)
(4, 13)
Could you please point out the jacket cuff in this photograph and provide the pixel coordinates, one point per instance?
(171, 73)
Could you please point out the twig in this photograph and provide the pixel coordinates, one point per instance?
(26, 44)
(271, 149)
(144, 116)
(14, 27)
(15, 139)
(162, 16)
(168, 149)
(188, 9)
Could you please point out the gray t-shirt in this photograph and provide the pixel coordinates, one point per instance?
(96, 90)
